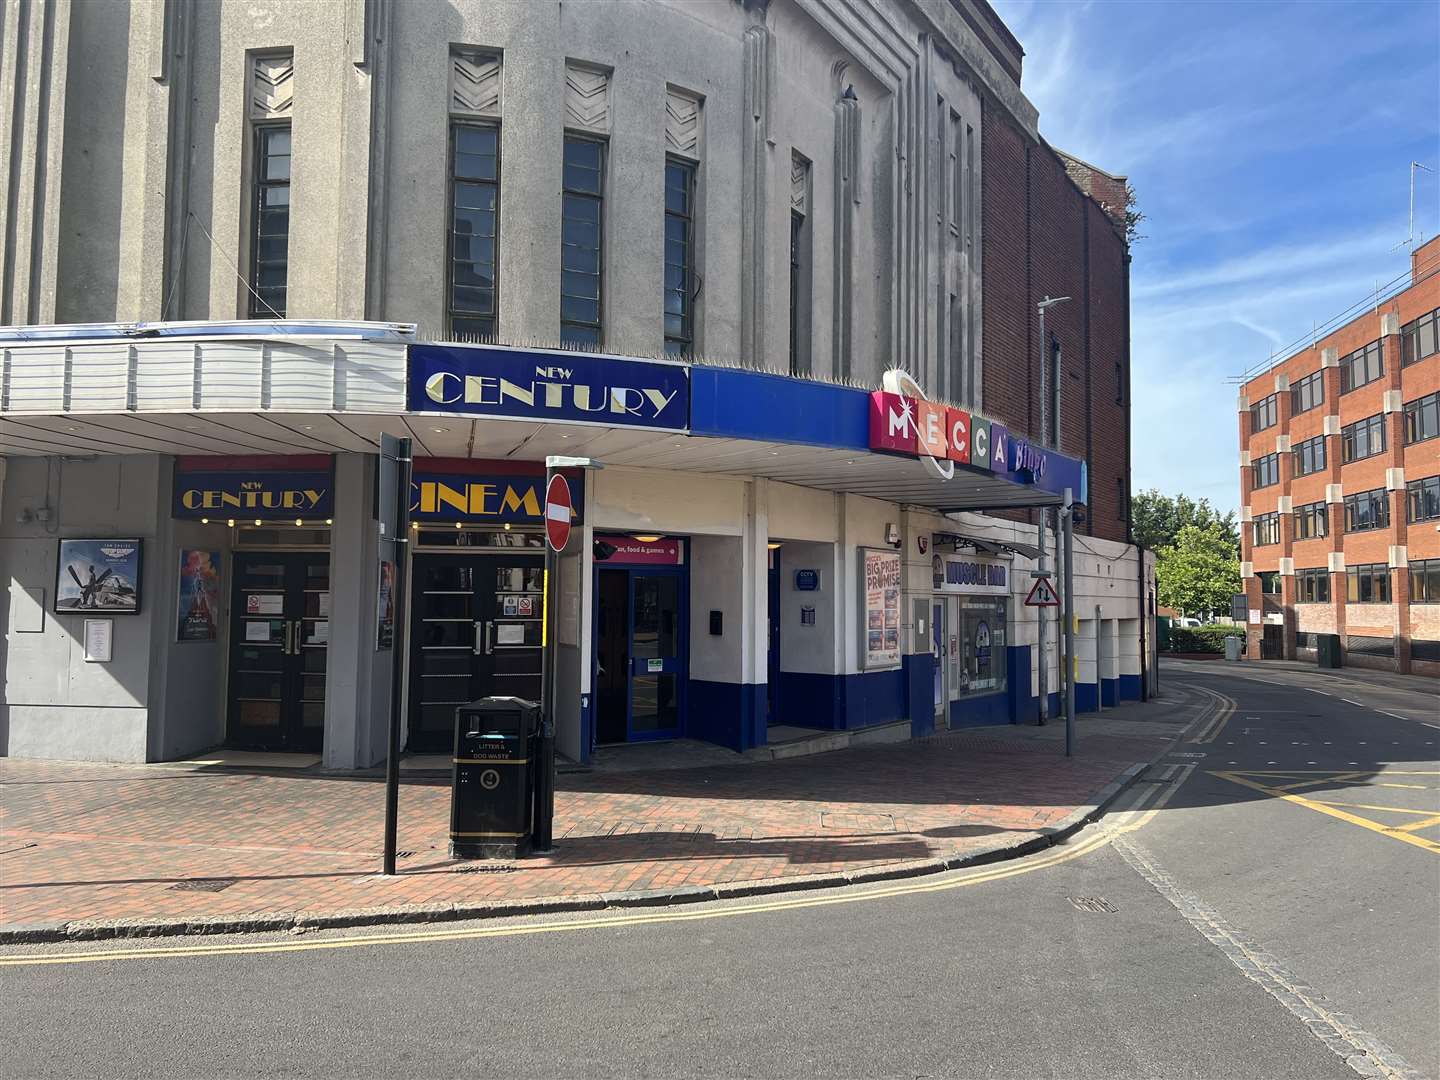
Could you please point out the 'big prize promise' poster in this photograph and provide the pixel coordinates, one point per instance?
(880, 589)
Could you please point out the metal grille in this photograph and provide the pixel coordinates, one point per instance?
(204, 884)
(1092, 903)
(1370, 646)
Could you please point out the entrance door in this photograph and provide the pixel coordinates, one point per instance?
(772, 666)
(937, 655)
(279, 637)
(474, 632)
(640, 654)
(1272, 642)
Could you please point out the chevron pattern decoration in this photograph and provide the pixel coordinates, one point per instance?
(272, 86)
(474, 83)
(587, 99)
(682, 124)
(799, 185)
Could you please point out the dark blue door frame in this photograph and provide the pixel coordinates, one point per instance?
(772, 673)
(679, 665)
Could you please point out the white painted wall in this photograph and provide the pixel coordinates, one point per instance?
(812, 649)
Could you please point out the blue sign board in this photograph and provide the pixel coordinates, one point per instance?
(558, 387)
(484, 498)
(1024, 462)
(263, 494)
(807, 580)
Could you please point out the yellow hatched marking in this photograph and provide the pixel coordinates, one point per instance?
(1417, 825)
(1371, 806)
(1333, 811)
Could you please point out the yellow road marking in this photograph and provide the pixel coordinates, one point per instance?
(1417, 825)
(1371, 806)
(1335, 772)
(1311, 804)
(1225, 708)
(1328, 779)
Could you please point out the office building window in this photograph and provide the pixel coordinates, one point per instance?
(270, 225)
(1312, 586)
(1308, 393)
(1265, 471)
(1269, 582)
(474, 229)
(1422, 418)
(679, 257)
(1264, 414)
(1312, 521)
(1425, 581)
(1266, 529)
(1367, 510)
(1420, 338)
(1310, 456)
(1362, 439)
(1422, 499)
(1361, 367)
(1368, 583)
(582, 243)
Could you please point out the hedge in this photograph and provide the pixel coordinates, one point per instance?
(1203, 639)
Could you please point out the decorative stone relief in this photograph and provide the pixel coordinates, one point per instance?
(799, 185)
(272, 86)
(474, 83)
(587, 99)
(682, 123)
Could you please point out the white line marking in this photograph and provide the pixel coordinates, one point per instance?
(1322, 693)
(1350, 702)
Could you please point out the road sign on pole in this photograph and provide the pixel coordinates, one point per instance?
(1042, 594)
(557, 512)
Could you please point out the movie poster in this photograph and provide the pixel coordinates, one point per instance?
(880, 596)
(198, 600)
(385, 608)
(98, 576)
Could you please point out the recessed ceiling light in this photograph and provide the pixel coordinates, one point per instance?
(439, 430)
(307, 427)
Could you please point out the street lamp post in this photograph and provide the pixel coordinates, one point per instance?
(1046, 437)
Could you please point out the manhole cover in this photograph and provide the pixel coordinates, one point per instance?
(1092, 903)
(219, 884)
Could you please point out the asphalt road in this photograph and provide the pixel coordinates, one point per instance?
(1229, 932)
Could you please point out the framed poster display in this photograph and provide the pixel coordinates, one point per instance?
(879, 608)
(385, 607)
(98, 576)
(198, 598)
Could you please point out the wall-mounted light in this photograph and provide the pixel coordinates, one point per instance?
(299, 522)
(257, 521)
(647, 538)
(231, 523)
(204, 521)
(773, 546)
(329, 521)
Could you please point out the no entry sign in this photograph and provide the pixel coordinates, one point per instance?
(557, 512)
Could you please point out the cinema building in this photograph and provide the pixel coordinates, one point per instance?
(1340, 486)
(775, 273)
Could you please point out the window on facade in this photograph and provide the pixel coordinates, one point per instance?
(1368, 583)
(1266, 529)
(1265, 471)
(270, 225)
(1422, 418)
(1311, 521)
(1310, 456)
(582, 243)
(1362, 439)
(1367, 510)
(1312, 586)
(1425, 581)
(679, 257)
(1361, 367)
(970, 194)
(1308, 393)
(1264, 414)
(1422, 499)
(1269, 582)
(1420, 338)
(474, 229)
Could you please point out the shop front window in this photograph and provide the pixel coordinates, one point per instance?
(983, 625)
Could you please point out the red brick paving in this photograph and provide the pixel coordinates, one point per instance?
(105, 842)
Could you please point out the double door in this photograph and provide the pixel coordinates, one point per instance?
(279, 639)
(640, 654)
(475, 632)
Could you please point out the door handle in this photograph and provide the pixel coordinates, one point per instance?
(296, 635)
(285, 648)
(489, 633)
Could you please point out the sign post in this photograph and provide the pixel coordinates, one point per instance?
(394, 488)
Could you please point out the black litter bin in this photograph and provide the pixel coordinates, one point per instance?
(493, 794)
(1327, 650)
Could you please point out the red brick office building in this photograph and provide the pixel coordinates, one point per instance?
(1340, 487)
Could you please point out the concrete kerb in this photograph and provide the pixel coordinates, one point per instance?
(271, 922)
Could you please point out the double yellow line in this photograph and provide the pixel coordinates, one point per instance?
(1214, 721)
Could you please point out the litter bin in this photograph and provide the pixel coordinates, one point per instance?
(1234, 647)
(1327, 650)
(493, 785)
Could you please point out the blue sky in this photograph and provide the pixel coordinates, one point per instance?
(1269, 146)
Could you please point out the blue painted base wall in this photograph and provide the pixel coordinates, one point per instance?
(845, 702)
(919, 671)
(975, 711)
(1086, 697)
(731, 714)
(1110, 692)
(1129, 687)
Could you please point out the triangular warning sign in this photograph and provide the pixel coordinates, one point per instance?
(1042, 594)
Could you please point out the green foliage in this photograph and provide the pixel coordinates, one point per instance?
(1203, 639)
(1199, 572)
(1133, 216)
(1157, 519)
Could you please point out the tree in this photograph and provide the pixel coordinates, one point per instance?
(1199, 572)
(1156, 519)
(1133, 216)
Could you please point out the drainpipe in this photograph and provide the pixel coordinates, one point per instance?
(1068, 519)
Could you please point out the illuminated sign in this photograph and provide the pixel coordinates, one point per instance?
(267, 494)
(574, 388)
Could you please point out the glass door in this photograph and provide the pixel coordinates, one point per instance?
(474, 632)
(279, 640)
(656, 654)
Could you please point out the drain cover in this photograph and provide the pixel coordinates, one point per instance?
(483, 870)
(1092, 903)
(218, 884)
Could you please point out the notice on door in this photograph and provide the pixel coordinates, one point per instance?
(257, 630)
(265, 604)
(509, 633)
(654, 665)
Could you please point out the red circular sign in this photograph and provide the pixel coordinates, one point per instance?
(557, 512)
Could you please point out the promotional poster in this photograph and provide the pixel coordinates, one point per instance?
(98, 576)
(198, 598)
(881, 594)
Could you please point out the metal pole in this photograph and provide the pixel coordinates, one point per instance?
(398, 638)
(1099, 675)
(1068, 517)
(1044, 514)
(543, 828)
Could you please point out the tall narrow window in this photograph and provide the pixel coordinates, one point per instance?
(797, 228)
(582, 234)
(800, 265)
(970, 195)
(679, 257)
(270, 212)
(474, 217)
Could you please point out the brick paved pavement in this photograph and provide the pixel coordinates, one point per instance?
(81, 842)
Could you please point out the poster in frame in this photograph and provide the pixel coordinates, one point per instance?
(198, 597)
(880, 576)
(98, 576)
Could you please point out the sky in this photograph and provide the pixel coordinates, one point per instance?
(1269, 147)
